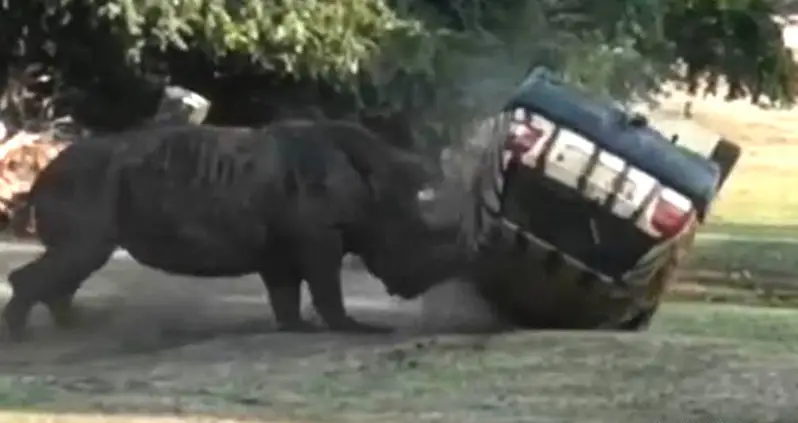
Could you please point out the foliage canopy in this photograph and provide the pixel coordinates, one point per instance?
(431, 61)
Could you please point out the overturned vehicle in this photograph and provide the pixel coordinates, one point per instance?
(580, 212)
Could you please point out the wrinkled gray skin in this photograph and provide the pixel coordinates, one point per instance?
(286, 201)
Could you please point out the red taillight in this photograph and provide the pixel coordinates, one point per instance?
(671, 212)
(522, 138)
(526, 131)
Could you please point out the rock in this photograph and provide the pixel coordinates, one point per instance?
(179, 104)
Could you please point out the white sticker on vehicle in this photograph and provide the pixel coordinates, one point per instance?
(568, 160)
(601, 181)
(631, 199)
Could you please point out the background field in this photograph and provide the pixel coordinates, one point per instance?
(748, 250)
(164, 349)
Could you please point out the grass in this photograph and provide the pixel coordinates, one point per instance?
(758, 207)
(17, 417)
(764, 258)
(752, 271)
(774, 328)
(762, 189)
(697, 363)
(753, 231)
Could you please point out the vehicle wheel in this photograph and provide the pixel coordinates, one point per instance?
(665, 277)
(725, 154)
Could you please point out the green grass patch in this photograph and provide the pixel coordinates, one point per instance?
(697, 363)
(759, 194)
(775, 327)
(759, 258)
(751, 230)
(25, 392)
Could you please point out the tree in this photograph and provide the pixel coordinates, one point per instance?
(736, 40)
(423, 69)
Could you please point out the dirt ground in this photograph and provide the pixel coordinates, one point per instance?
(189, 350)
(129, 308)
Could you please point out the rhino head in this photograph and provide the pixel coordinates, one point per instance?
(406, 242)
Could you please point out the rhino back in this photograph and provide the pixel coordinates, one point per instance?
(75, 189)
(235, 186)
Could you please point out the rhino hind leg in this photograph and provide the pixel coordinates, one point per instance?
(53, 279)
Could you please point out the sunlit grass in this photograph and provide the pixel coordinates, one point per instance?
(763, 189)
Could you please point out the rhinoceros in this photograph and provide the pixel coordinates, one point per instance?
(285, 201)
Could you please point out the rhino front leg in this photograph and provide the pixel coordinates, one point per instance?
(320, 253)
(284, 284)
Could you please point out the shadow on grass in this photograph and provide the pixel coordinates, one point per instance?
(761, 251)
(742, 269)
(786, 232)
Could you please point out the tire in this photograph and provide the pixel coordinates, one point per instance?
(726, 154)
(658, 286)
